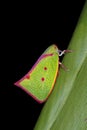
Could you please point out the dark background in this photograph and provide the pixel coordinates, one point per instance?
(27, 30)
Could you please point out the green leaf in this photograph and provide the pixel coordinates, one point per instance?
(66, 108)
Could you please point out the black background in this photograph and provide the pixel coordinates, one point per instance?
(27, 30)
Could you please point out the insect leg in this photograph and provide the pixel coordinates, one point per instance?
(63, 52)
(63, 66)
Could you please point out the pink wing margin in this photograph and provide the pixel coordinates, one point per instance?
(18, 82)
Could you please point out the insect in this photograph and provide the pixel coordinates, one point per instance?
(40, 80)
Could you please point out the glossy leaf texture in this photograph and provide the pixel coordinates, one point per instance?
(66, 108)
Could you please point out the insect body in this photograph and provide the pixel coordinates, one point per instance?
(39, 81)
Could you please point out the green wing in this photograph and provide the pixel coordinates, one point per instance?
(40, 81)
